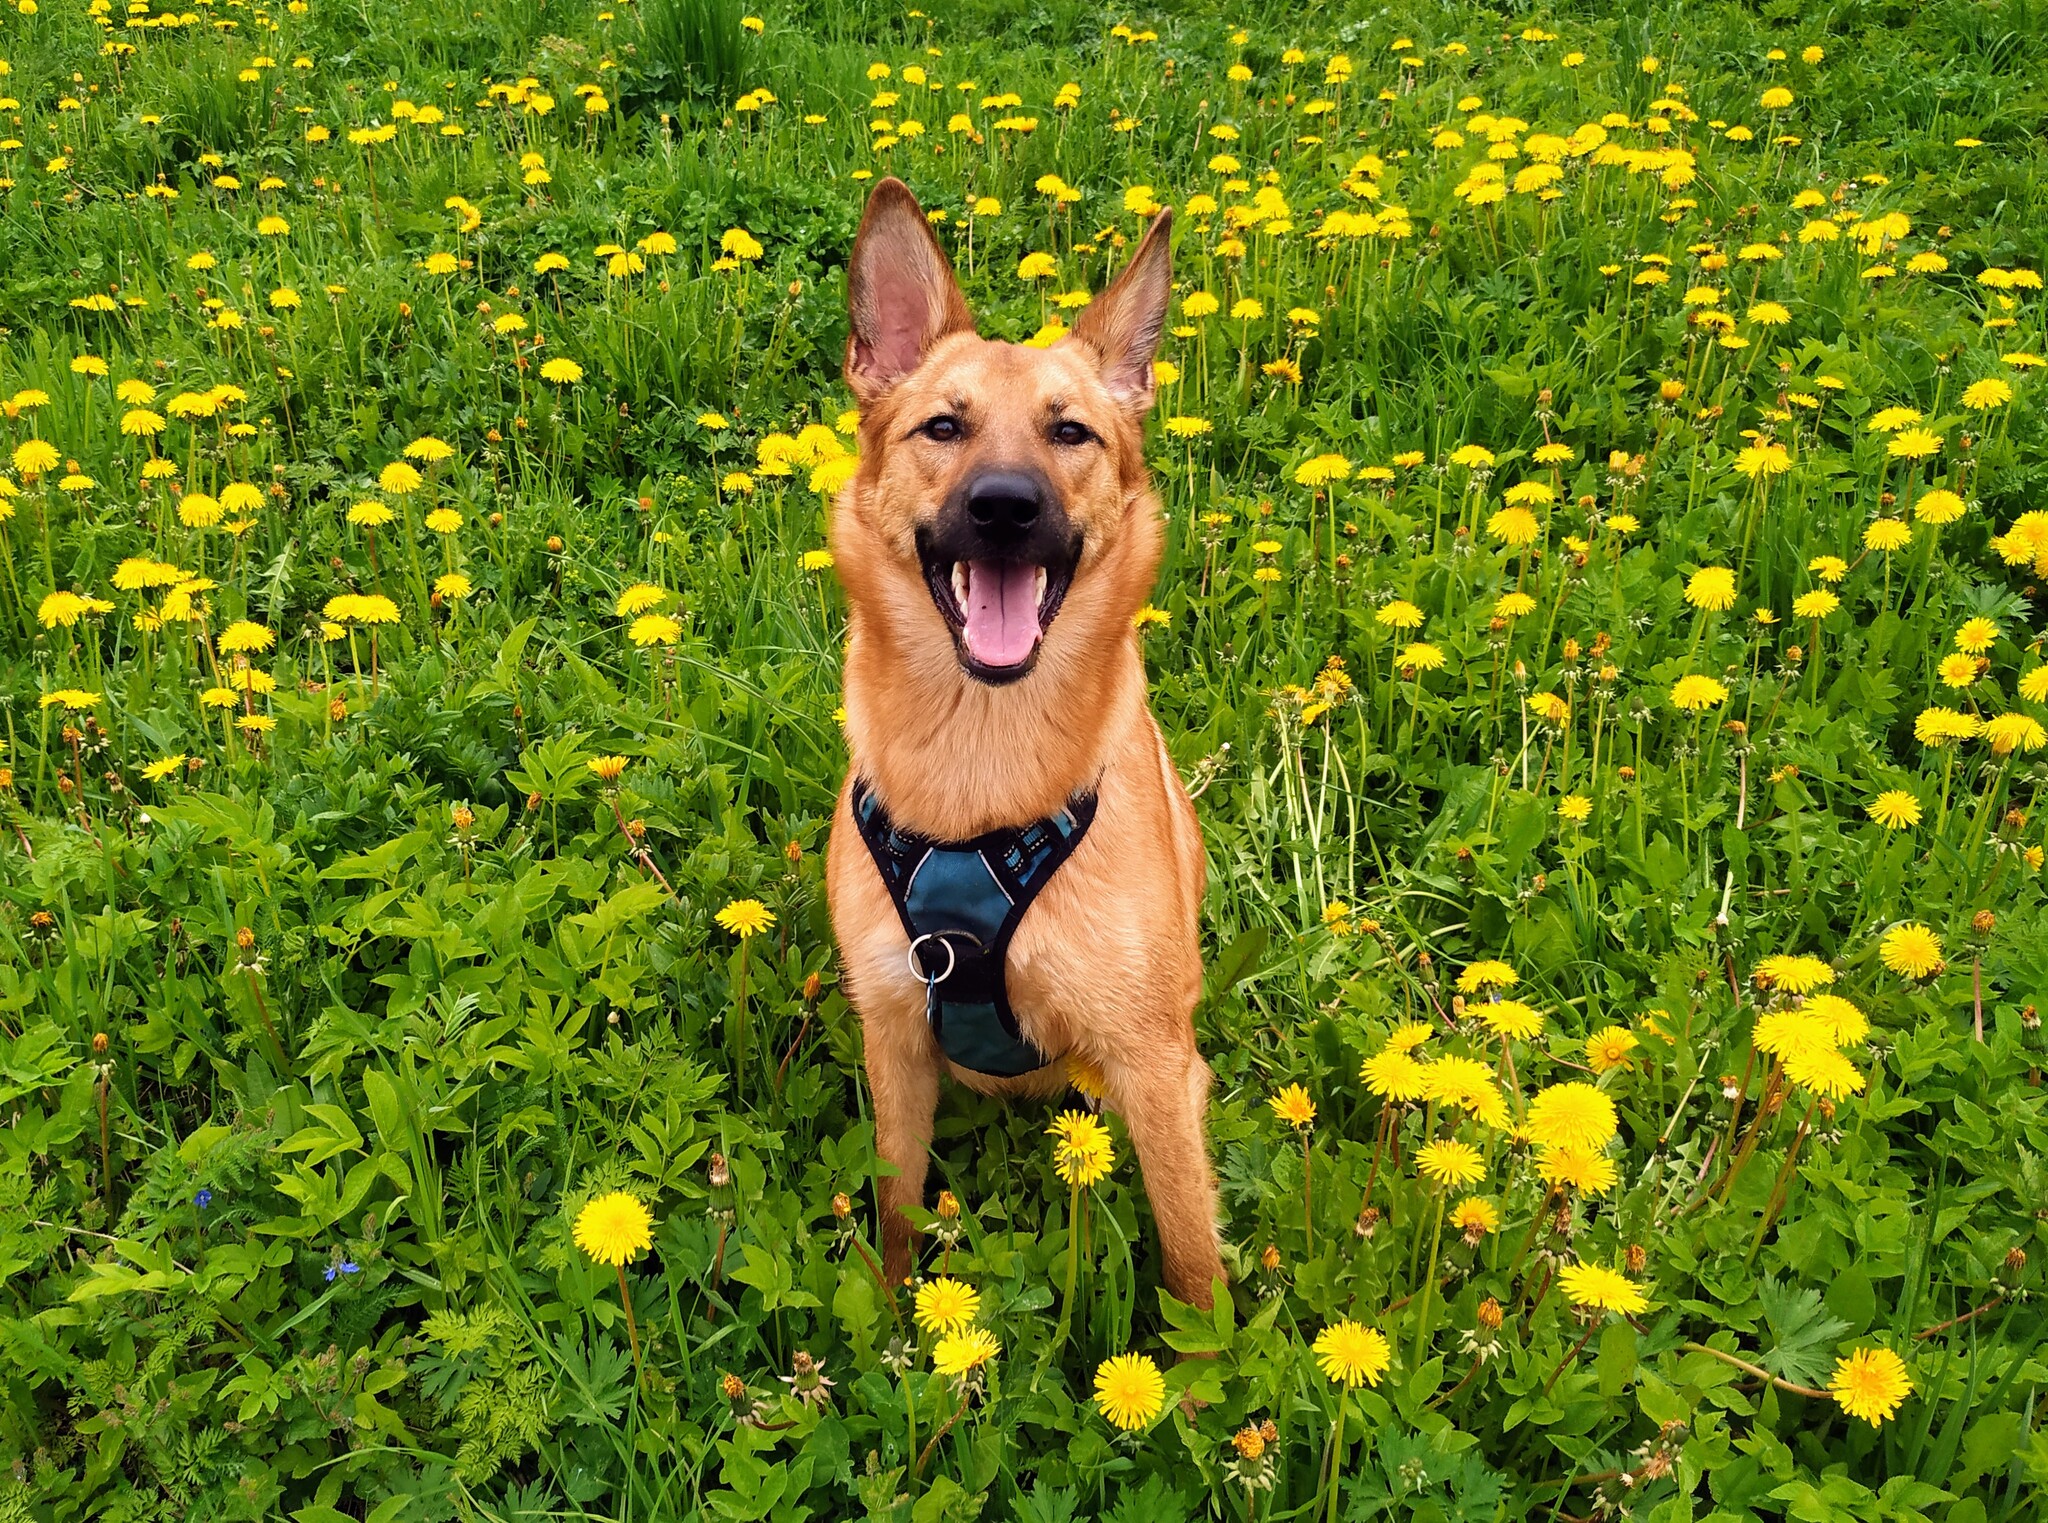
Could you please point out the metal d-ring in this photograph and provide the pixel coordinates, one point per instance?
(944, 939)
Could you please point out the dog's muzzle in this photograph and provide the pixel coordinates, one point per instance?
(998, 560)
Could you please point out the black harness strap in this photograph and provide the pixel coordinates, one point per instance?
(960, 903)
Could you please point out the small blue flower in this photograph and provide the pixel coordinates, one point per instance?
(330, 1274)
(203, 1199)
(350, 1268)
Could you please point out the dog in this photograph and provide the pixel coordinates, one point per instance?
(995, 545)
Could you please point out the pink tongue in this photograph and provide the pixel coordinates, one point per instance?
(1002, 612)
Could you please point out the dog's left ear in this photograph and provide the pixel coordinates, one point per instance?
(901, 294)
(1123, 324)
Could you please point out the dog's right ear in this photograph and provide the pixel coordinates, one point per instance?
(901, 295)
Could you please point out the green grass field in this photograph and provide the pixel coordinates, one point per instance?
(1603, 463)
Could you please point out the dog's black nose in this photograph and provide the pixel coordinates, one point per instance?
(1005, 504)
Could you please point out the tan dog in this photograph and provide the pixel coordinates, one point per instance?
(995, 545)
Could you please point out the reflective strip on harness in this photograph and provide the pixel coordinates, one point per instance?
(971, 895)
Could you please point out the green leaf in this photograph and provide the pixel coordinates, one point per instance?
(1235, 963)
(382, 862)
(1616, 1361)
(386, 1114)
(1803, 1331)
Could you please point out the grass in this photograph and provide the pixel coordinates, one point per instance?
(338, 981)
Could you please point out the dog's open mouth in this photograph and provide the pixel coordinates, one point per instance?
(998, 610)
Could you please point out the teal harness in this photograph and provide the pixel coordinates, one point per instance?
(960, 903)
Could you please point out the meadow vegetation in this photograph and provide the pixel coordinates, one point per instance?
(1602, 457)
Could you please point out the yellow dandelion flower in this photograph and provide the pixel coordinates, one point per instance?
(1351, 1354)
(946, 1306)
(613, 1228)
(1871, 1383)
(1129, 1391)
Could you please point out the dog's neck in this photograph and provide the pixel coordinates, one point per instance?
(951, 757)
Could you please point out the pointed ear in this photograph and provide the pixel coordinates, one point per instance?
(1123, 324)
(900, 292)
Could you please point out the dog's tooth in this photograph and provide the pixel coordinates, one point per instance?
(1038, 588)
(960, 584)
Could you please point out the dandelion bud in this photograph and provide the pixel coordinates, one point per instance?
(612, 1019)
(1270, 1259)
(463, 817)
(405, 309)
(1736, 728)
(1671, 391)
(1368, 1221)
(2030, 1018)
(1458, 1006)
(64, 783)
(1489, 1315)
(733, 1388)
(721, 1175)
(1635, 1258)
(1983, 922)
(636, 830)
(532, 802)
(497, 520)
(949, 1206)
(1249, 1443)
(99, 1044)
(1543, 397)
(6, 779)
(794, 852)
(2015, 1260)
(813, 987)
(2015, 819)
(1571, 650)
(1794, 655)
(1887, 498)
(645, 503)
(245, 939)
(554, 544)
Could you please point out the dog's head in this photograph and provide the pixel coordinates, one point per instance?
(1001, 513)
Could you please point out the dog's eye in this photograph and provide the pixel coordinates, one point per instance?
(943, 429)
(1067, 431)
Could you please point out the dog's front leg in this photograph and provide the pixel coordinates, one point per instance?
(905, 1081)
(1163, 1098)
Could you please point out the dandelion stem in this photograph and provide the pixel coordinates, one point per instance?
(1755, 1369)
(918, 1469)
(1436, 1234)
(1336, 1465)
(263, 1010)
(632, 1327)
(1568, 1358)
